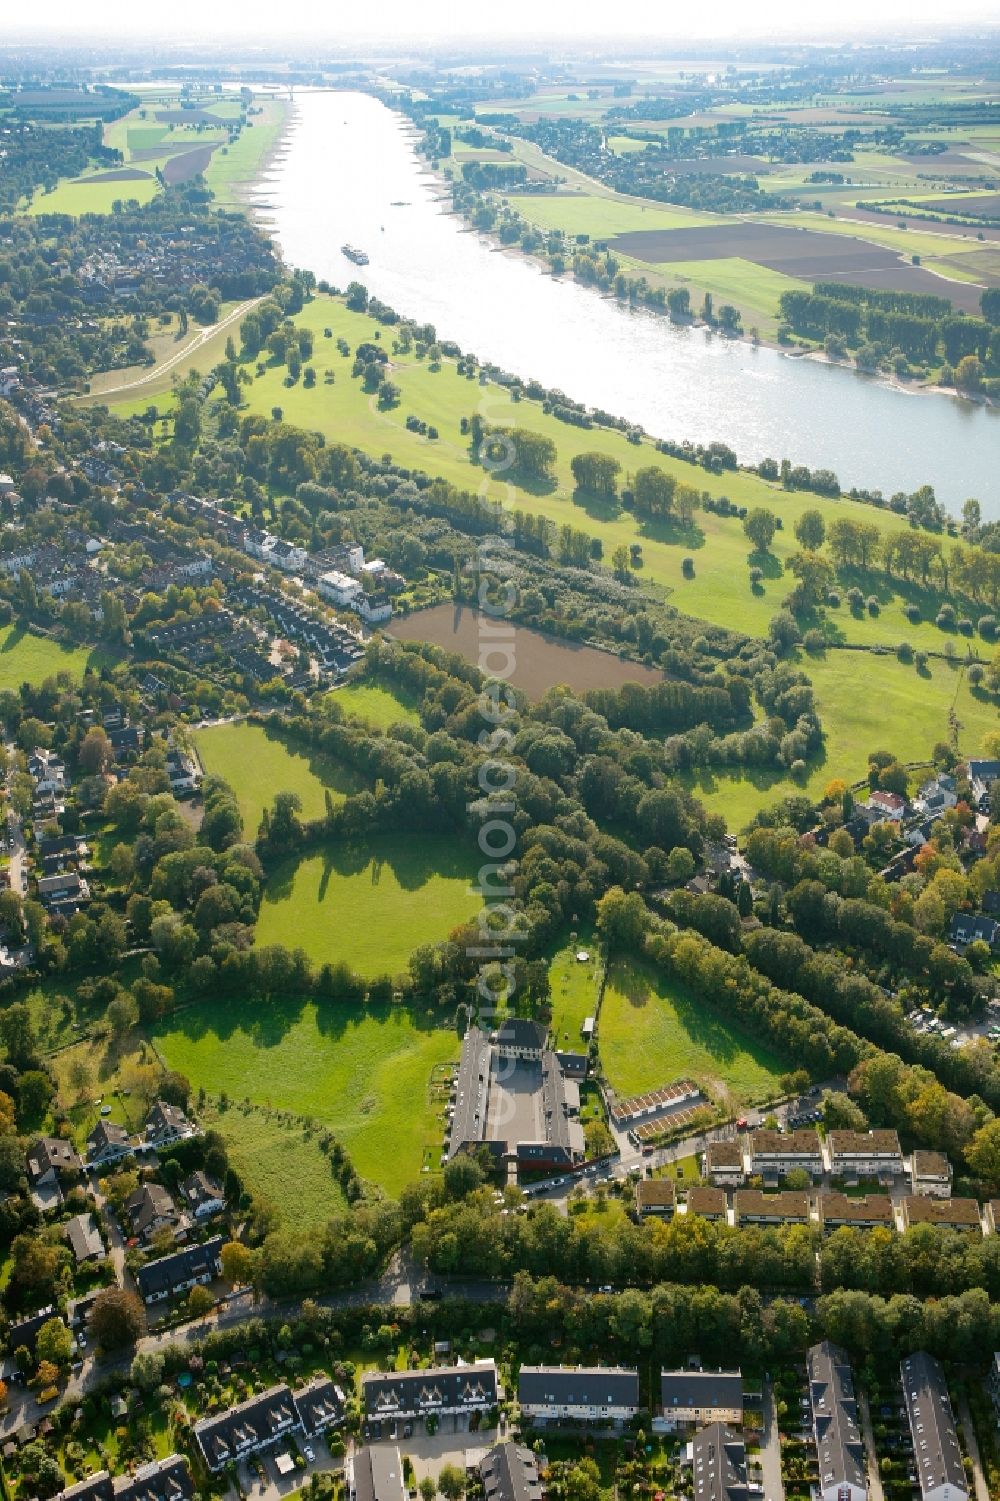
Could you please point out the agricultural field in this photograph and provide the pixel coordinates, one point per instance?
(369, 1077)
(377, 705)
(370, 907)
(651, 1033)
(26, 658)
(257, 763)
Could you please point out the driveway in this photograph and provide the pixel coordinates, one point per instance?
(429, 1453)
(770, 1448)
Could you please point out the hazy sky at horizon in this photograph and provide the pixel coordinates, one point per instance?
(388, 21)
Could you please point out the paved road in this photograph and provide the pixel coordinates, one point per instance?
(202, 337)
(770, 1448)
(875, 1490)
(979, 1477)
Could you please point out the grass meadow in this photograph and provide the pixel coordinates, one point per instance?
(271, 1149)
(377, 705)
(372, 906)
(257, 763)
(26, 658)
(653, 1032)
(574, 987)
(364, 1073)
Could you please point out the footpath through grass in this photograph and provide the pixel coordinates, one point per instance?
(364, 1073)
(370, 906)
(258, 763)
(653, 1032)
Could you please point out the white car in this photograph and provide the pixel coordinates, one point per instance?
(309, 1454)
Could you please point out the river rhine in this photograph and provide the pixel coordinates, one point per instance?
(350, 175)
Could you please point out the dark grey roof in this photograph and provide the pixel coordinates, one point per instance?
(106, 1134)
(967, 926)
(173, 1271)
(319, 1405)
(705, 1389)
(519, 1032)
(164, 1480)
(835, 1417)
(577, 1386)
(247, 1426)
(719, 1465)
(472, 1088)
(936, 1451)
(25, 1331)
(510, 1473)
(377, 1474)
(984, 771)
(392, 1393)
(97, 1487)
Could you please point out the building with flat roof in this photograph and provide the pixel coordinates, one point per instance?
(937, 1454)
(931, 1174)
(789, 1207)
(839, 1447)
(724, 1164)
(870, 1212)
(512, 1096)
(581, 1394)
(719, 1465)
(709, 1203)
(775, 1153)
(700, 1397)
(865, 1154)
(656, 1196)
(956, 1214)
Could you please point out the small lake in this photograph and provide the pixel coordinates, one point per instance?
(540, 661)
(349, 174)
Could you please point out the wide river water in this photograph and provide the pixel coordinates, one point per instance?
(349, 174)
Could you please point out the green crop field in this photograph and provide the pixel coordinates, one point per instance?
(601, 215)
(755, 289)
(271, 1151)
(378, 706)
(257, 763)
(366, 1074)
(574, 987)
(25, 658)
(370, 907)
(651, 1032)
(85, 195)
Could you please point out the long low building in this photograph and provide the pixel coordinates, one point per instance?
(953, 1214)
(194, 1266)
(700, 1397)
(266, 1418)
(578, 1394)
(937, 1454)
(865, 1154)
(162, 1480)
(839, 1447)
(509, 1472)
(869, 1212)
(453, 1390)
(375, 1473)
(512, 1097)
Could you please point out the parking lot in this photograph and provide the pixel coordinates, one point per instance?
(260, 1478)
(430, 1452)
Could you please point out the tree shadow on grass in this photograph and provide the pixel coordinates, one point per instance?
(14, 637)
(671, 531)
(597, 507)
(769, 564)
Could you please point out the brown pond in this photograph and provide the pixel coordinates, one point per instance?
(540, 661)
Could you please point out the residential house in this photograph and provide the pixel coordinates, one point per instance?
(931, 1174)
(870, 1212)
(956, 1214)
(992, 1216)
(48, 770)
(773, 1154)
(252, 1425)
(51, 1158)
(936, 796)
(937, 1454)
(453, 1390)
(64, 890)
(96, 1487)
(127, 741)
(656, 1196)
(709, 1203)
(581, 1394)
(202, 1196)
(982, 775)
(839, 1447)
(700, 1397)
(320, 1405)
(161, 1480)
(865, 1154)
(85, 1239)
(180, 1271)
(167, 1123)
(25, 1331)
(973, 927)
(107, 1144)
(789, 1207)
(883, 806)
(150, 1208)
(724, 1164)
(509, 1472)
(719, 1465)
(375, 1474)
(182, 772)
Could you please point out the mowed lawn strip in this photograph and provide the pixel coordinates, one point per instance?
(364, 1073)
(257, 763)
(574, 988)
(370, 906)
(652, 1032)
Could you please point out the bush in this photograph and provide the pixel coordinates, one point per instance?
(904, 651)
(687, 568)
(814, 640)
(855, 598)
(920, 658)
(976, 675)
(988, 627)
(912, 613)
(965, 626)
(945, 617)
(756, 576)
(872, 604)
(833, 599)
